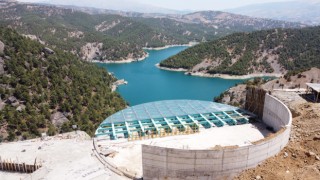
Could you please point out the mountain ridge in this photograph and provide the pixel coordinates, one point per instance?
(307, 12)
(274, 51)
(118, 37)
(117, 5)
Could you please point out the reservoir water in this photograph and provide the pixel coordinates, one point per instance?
(148, 83)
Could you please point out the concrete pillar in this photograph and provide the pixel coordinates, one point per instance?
(166, 120)
(114, 132)
(128, 130)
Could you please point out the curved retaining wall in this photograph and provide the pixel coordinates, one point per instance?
(276, 114)
(169, 163)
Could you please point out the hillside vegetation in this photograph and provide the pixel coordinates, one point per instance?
(116, 37)
(37, 84)
(267, 51)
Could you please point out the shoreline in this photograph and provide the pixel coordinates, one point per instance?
(171, 69)
(226, 76)
(222, 76)
(142, 58)
(118, 83)
(130, 60)
(168, 46)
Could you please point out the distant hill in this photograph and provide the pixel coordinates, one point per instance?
(268, 51)
(48, 90)
(118, 5)
(122, 36)
(232, 22)
(307, 11)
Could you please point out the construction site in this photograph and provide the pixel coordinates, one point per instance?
(177, 139)
(190, 139)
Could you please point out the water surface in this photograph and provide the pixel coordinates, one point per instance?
(147, 83)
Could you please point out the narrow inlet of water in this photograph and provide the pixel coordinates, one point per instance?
(147, 83)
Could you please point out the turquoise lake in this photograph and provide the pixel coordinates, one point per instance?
(147, 83)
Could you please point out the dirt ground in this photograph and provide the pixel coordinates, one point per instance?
(300, 159)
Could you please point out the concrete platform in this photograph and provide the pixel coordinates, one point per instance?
(129, 153)
(64, 157)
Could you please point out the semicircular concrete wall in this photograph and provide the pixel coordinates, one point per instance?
(169, 163)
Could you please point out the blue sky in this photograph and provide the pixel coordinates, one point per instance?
(176, 4)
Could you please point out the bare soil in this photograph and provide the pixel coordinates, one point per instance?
(296, 81)
(300, 159)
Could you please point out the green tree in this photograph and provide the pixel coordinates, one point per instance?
(11, 136)
(51, 130)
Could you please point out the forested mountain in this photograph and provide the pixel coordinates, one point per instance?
(81, 33)
(45, 90)
(118, 37)
(267, 51)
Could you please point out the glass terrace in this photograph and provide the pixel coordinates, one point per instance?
(168, 116)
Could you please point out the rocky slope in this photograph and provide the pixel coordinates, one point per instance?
(290, 82)
(236, 96)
